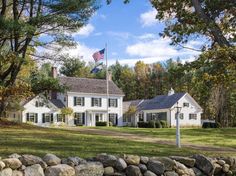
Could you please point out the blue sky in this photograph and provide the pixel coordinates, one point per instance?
(131, 33)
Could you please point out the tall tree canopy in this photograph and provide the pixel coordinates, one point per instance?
(23, 21)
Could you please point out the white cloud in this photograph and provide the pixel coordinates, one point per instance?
(85, 30)
(148, 18)
(158, 49)
(147, 36)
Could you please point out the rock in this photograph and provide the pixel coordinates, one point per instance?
(17, 173)
(34, 170)
(181, 169)
(144, 159)
(120, 164)
(60, 170)
(51, 159)
(89, 168)
(29, 160)
(132, 170)
(22, 167)
(142, 167)
(197, 172)
(168, 163)
(132, 159)
(225, 168)
(156, 166)
(220, 162)
(2, 165)
(13, 163)
(108, 171)
(204, 164)
(190, 162)
(217, 169)
(107, 160)
(14, 155)
(73, 161)
(149, 173)
(170, 173)
(6, 172)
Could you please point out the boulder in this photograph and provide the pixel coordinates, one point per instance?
(220, 162)
(225, 168)
(120, 164)
(108, 171)
(181, 169)
(107, 160)
(197, 172)
(217, 169)
(156, 167)
(204, 164)
(34, 170)
(133, 170)
(190, 162)
(17, 173)
(142, 167)
(6, 172)
(2, 165)
(14, 155)
(13, 163)
(89, 168)
(60, 170)
(170, 173)
(29, 160)
(149, 173)
(51, 159)
(132, 159)
(144, 159)
(168, 163)
(73, 161)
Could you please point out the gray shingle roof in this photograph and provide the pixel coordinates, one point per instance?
(57, 103)
(87, 85)
(161, 102)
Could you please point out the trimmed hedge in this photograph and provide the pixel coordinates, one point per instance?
(211, 125)
(153, 124)
(101, 123)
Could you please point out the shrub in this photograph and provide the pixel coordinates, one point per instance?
(142, 124)
(164, 124)
(151, 124)
(101, 123)
(111, 124)
(211, 125)
(158, 124)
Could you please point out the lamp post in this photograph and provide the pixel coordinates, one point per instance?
(178, 126)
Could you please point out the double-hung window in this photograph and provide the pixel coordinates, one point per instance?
(192, 116)
(96, 102)
(32, 117)
(47, 117)
(78, 101)
(112, 102)
(79, 118)
(61, 118)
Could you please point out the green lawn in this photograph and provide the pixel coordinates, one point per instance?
(222, 137)
(34, 140)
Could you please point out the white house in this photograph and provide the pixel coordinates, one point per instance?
(164, 107)
(87, 97)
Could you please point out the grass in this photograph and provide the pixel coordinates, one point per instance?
(28, 139)
(222, 137)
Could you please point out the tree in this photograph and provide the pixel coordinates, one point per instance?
(74, 67)
(22, 22)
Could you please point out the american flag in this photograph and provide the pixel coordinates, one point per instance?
(99, 55)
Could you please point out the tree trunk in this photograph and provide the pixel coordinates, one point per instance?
(221, 105)
(2, 109)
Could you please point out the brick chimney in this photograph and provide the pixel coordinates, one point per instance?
(54, 75)
(54, 72)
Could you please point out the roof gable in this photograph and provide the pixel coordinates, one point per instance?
(87, 85)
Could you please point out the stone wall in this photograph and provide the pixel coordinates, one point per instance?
(110, 165)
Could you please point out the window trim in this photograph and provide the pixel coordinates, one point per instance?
(194, 116)
(98, 103)
(113, 102)
(79, 101)
(34, 117)
(49, 118)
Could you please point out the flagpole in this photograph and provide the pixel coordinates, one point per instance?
(107, 80)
